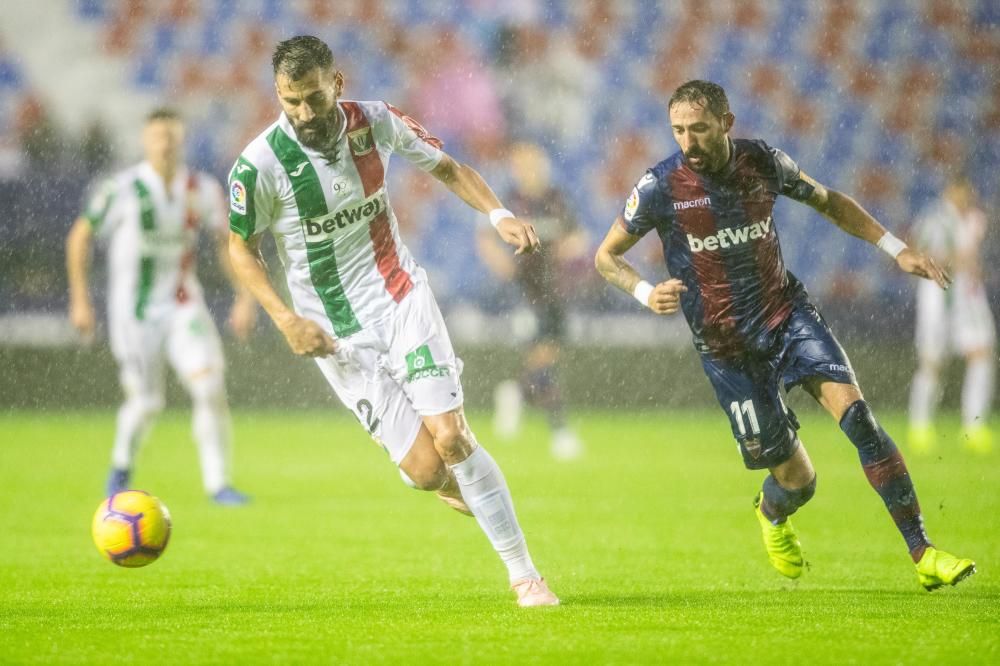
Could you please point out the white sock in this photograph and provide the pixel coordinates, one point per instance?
(977, 392)
(211, 429)
(508, 405)
(485, 492)
(923, 397)
(135, 416)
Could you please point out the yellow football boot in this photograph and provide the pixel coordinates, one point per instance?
(937, 568)
(921, 439)
(978, 439)
(781, 542)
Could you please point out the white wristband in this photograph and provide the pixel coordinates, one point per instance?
(891, 245)
(498, 214)
(642, 292)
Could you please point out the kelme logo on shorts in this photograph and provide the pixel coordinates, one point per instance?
(420, 365)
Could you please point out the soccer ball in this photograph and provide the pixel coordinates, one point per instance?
(131, 528)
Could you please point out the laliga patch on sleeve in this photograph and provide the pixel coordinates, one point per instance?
(238, 197)
(632, 204)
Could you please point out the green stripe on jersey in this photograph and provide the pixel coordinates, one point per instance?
(322, 259)
(146, 270)
(95, 218)
(242, 208)
(147, 266)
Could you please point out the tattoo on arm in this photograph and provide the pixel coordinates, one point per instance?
(820, 199)
(622, 274)
(844, 212)
(611, 263)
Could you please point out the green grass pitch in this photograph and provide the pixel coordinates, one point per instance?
(650, 541)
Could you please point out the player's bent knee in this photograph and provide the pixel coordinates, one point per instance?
(146, 405)
(860, 426)
(209, 386)
(787, 501)
(451, 437)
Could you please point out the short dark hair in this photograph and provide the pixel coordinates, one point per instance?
(299, 55)
(712, 95)
(163, 113)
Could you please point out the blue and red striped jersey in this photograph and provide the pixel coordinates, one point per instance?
(720, 240)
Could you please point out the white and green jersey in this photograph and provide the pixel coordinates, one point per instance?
(335, 230)
(944, 232)
(152, 231)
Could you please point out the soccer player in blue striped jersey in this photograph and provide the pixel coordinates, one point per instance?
(754, 326)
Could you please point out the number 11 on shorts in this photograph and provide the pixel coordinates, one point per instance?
(746, 408)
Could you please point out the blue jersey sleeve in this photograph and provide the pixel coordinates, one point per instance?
(641, 211)
(790, 182)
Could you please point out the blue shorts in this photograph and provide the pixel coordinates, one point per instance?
(749, 387)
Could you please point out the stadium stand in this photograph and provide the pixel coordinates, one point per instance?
(877, 98)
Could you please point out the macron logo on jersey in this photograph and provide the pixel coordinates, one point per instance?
(730, 237)
(704, 202)
(323, 228)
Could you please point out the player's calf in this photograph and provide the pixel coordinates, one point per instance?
(887, 473)
(423, 469)
(452, 438)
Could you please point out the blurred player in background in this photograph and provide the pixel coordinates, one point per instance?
(952, 230)
(151, 215)
(362, 305)
(538, 275)
(752, 320)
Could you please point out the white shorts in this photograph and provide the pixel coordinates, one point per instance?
(184, 334)
(394, 372)
(956, 321)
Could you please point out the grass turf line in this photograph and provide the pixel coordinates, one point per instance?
(650, 541)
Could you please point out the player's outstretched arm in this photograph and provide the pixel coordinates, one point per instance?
(304, 336)
(243, 314)
(850, 216)
(610, 262)
(470, 187)
(81, 310)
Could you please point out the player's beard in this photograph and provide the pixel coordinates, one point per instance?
(321, 134)
(710, 162)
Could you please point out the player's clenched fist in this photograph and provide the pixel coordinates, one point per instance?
(666, 297)
(519, 234)
(306, 338)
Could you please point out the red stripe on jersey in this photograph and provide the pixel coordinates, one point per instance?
(190, 223)
(767, 251)
(417, 128)
(369, 166)
(397, 280)
(718, 323)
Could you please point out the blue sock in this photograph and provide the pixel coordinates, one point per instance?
(780, 502)
(883, 465)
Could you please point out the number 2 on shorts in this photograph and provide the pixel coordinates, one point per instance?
(747, 409)
(365, 407)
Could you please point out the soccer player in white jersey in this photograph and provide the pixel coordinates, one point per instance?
(150, 215)
(361, 304)
(952, 229)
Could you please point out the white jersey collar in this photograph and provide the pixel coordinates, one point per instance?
(178, 185)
